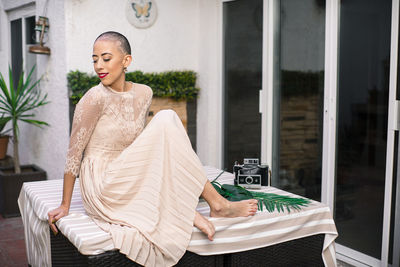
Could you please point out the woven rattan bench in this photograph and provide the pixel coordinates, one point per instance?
(305, 251)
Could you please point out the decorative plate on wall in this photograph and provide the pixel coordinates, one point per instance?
(141, 13)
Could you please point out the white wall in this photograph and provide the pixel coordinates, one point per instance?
(50, 144)
(170, 44)
(45, 147)
(209, 104)
(184, 36)
(4, 47)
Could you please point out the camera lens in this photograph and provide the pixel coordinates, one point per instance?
(249, 180)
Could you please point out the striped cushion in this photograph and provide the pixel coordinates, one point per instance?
(232, 234)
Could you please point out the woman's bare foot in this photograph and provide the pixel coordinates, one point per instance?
(231, 209)
(204, 225)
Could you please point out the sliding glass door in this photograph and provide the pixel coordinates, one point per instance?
(298, 97)
(327, 71)
(243, 39)
(363, 89)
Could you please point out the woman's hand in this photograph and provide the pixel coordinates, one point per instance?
(55, 215)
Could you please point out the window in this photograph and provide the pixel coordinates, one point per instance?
(22, 33)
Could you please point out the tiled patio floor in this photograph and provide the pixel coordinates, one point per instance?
(12, 243)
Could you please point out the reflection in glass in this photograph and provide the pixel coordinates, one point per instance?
(16, 50)
(242, 79)
(300, 97)
(362, 123)
(30, 58)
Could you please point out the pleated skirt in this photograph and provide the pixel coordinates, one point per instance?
(147, 195)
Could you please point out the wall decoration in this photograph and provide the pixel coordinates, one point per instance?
(141, 13)
(42, 27)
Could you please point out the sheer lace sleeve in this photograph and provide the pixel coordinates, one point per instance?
(148, 97)
(87, 113)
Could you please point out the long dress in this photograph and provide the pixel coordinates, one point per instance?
(140, 184)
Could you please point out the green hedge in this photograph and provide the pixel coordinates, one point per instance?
(175, 84)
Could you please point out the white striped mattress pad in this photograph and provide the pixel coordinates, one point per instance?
(232, 234)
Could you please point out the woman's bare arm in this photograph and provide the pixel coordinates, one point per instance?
(87, 113)
(63, 209)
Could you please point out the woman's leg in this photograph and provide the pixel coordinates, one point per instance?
(220, 207)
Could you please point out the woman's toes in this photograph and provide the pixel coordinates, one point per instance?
(205, 226)
(242, 208)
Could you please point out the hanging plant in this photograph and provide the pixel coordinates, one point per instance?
(269, 201)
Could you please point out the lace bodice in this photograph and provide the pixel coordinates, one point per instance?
(106, 120)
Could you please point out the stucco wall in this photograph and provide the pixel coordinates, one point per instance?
(185, 35)
(45, 147)
(170, 44)
(4, 48)
(209, 105)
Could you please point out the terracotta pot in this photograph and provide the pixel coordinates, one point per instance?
(3, 146)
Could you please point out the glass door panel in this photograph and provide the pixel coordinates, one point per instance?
(16, 50)
(363, 86)
(30, 58)
(298, 131)
(242, 79)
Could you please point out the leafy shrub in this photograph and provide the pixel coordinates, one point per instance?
(179, 85)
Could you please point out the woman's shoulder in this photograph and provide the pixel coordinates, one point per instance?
(143, 89)
(94, 95)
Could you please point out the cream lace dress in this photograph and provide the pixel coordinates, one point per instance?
(139, 184)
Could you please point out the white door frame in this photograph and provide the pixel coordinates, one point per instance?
(267, 91)
(330, 103)
(392, 127)
(329, 136)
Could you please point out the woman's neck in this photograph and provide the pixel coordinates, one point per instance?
(119, 85)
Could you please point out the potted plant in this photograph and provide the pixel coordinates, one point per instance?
(16, 105)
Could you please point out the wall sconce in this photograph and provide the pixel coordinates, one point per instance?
(42, 26)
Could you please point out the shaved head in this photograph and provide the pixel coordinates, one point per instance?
(123, 43)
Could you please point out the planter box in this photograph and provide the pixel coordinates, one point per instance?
(11, 184)
(159, 103)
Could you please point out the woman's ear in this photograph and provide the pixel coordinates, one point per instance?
(127, 60)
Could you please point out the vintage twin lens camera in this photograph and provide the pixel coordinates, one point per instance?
(251, 174)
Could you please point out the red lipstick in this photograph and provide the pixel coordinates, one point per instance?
(102, 75)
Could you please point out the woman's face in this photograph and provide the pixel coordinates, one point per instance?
(109, 62)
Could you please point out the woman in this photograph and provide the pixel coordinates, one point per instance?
(139, 184)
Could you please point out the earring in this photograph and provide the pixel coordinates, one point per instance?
(125, 69)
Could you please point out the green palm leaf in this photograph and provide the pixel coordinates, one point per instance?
(19, 104)
(269, 201)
